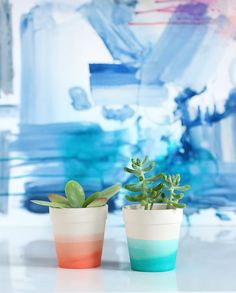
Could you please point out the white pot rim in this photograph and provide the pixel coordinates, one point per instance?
(79, 214)
(136, 214)
(159, 207)
(78, 209)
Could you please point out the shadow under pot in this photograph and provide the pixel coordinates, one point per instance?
(152, 237)
(79, 234)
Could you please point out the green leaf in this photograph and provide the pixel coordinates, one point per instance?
(106, 193)
(133, 188)
(143, 202)
(158, 187)
(149, 168)
(179, 196)
(129, 170)
(178, 177)
(134, 197)
(131, 198)
(91, 198)
(50, 204)
(58, 199)
(110, 191)
(182, 188)
(75, 194)
(134, 166)
(146, 159)
(154, 178)
(98, 202)
(178, 205)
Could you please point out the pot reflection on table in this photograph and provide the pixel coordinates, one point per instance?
(102, 280)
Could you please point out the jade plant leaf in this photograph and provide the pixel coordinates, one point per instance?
(75, 194)
(58, 199)
(98, 202)
(50, 204)
(91, 198)
(103, 196)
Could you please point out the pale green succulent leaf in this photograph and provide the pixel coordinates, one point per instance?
(90, 198)
(75, 194)
(98, 202)
(58, 199)
(106, 193)
(50, 204)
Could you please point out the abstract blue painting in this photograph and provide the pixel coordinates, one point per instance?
(85, 85)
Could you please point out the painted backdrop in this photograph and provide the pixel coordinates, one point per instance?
(85, 85)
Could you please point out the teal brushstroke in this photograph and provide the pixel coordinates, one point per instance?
(152, 255)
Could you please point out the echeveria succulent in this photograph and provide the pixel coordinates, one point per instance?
(75, 197)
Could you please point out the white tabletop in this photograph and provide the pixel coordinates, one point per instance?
(206, 262)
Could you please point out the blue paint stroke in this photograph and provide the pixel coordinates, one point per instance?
(176, 47)
(113, 84)
(181, 51)
(69, 152)
(198, 165)
(79, 98)
(6, 59)
(57, 152)
(110, 20)
(119, 84)
(112, 75)
(120, 114)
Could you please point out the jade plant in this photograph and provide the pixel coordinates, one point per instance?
(155, 188)
(75, 197)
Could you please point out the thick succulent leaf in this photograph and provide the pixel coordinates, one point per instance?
(149, 167)
(58, 199)
(98, 202)
(158, 187)
(178, 205)
(182, 188)
(106, 193)
(146, 159)
(129, 170)
(143, 202)
(75, 194)
(179, 196)
(110, 191)
(154, 178)
(134, 198)
(133, 188)
(91, 198)
(50, 204)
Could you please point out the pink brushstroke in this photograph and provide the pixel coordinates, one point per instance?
(166, 22)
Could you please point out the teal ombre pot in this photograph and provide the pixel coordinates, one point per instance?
(152, 236)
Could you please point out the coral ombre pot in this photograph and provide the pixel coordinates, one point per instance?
(79, 235)
(152, 236)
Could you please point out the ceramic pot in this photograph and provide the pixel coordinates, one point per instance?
(152, 236)
(79, 235)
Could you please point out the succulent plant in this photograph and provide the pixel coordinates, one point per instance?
(75, 197)
(160, 188)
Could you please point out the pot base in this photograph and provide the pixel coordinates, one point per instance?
(152, 266)
(152, 255)
(88, 262)
(79, 255)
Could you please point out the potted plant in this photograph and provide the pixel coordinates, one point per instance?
(153, 225)
(79, 224)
